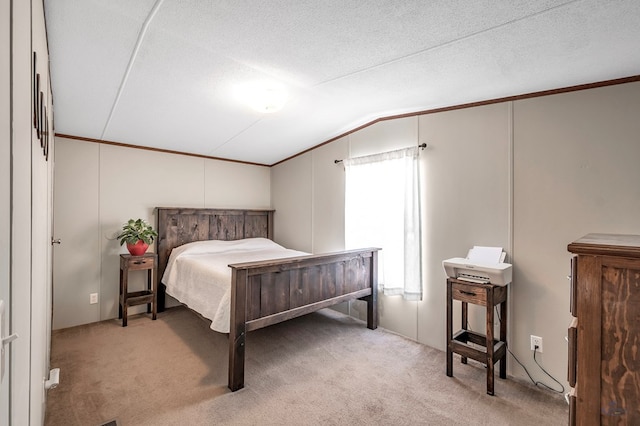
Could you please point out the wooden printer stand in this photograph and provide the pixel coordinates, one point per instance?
(492, 350)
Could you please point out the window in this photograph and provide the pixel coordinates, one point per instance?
(382, 209)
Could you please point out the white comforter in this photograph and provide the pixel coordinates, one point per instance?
(198, 274)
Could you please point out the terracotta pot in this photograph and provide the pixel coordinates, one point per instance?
(137, 249)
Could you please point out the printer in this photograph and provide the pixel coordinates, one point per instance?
(482, 265)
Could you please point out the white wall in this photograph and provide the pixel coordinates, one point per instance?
(98, 187)
(327, 210)
(575, 171)
(294, 218)
(530, 176)
(466, 201)
(76, 210)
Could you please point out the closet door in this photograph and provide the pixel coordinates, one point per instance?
(5, 193)
(41, 214)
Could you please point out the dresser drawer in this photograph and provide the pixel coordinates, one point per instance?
(138, 262)
(469, 293)
(573, 352)
(571, 399)
(574, 286)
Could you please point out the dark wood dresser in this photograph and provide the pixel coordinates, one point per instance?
(604, 337)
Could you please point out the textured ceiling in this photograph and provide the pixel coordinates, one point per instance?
(165, 73)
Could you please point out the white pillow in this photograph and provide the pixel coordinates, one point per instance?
(219, 246)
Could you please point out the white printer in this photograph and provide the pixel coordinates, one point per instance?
(482, 265)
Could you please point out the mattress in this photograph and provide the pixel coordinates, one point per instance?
(198, 273)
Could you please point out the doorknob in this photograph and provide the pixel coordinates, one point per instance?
(4, 341)
(9, 339)
(55, 241)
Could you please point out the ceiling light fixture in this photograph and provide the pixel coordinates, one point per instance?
(269, 100)
(265, 99)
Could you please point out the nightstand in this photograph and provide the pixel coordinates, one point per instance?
(148, 262)
(484, 348)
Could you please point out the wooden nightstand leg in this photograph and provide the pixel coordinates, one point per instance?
(449, 330)
(124, 280)
(154, 304)
(465, 321)
(149, 272)
(503, 337)
(120, 297)
(489, 342)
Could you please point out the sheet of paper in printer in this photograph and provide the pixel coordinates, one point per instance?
(481, 254)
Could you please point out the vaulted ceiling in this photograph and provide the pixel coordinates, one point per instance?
(175, 74)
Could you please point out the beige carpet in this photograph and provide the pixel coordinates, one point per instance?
(321, 369)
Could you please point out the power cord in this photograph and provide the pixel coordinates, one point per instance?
(547, 373)
(536, 383)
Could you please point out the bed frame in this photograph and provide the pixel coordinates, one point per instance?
(271, 291)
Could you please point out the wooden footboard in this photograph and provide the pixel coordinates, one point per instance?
(269, 292)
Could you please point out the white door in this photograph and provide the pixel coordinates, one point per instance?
(5, 192)
(41, 207)
(40, 282)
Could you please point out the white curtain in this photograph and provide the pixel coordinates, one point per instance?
(382, 209)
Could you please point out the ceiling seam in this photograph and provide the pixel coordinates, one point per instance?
(132, 59)
(444, 44)
(213, 150)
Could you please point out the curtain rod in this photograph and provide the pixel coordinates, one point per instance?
(422, 145)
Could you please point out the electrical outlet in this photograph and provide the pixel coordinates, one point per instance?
(93, 298)
(536, 341)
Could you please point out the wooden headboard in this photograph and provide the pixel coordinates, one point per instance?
(177, 226)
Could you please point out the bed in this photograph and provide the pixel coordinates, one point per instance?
(269, 291)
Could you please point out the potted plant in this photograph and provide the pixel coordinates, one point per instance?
(138, 234)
